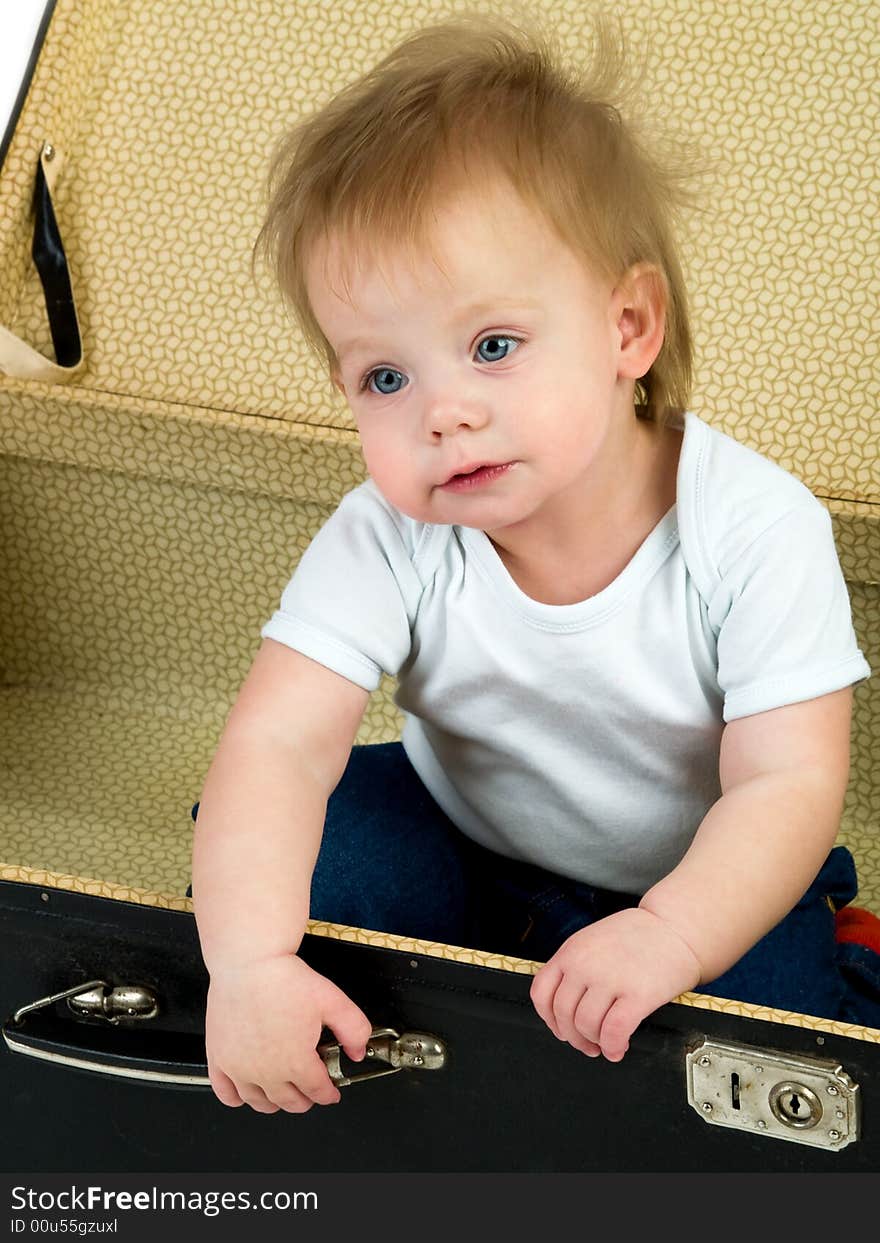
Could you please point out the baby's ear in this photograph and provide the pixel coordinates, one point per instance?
(640, 300)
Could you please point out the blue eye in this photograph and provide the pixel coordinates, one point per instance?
(376, 380)
(382, 375)
(497, 342)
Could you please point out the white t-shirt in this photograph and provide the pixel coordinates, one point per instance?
(585, 737)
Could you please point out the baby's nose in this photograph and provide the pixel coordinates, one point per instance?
(449, 413)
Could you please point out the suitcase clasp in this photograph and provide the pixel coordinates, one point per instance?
(125, 1001)
(411, 1051)
(98, 999)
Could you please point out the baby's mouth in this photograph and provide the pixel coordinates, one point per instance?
(476, 476)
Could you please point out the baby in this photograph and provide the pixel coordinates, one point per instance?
(622, 640)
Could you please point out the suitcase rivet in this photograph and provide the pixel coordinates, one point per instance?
(44, 897)
(834, 1134)
(831, 1090)
(705, 1061)
(762, 1125)
(48, 152)
(707, 1108)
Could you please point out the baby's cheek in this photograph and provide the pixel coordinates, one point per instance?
(397, 477)
(381, 462)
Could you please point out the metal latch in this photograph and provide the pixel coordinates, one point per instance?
(804, 1099)
(411, 1051)
(98, 999)
(125, 1001)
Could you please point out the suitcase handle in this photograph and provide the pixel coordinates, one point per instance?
(17, 358)
(100, 1045)
(173, 1059)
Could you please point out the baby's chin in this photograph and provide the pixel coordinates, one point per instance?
(429, 510)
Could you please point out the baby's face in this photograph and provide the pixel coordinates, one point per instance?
(482, 393)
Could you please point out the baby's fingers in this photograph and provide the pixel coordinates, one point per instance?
(587, 1019)
(252, 1094)
(223, 1087)
(299, 1097)
(569, 1000)
(308, 1085)
(578, 1040)
(349, 1024)
(543, 988)
(556, 1006)
(314, 1082)
(619, 1023)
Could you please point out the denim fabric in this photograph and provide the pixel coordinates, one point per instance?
(391, 861)
(861, 970)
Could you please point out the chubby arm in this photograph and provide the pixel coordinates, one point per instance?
(260, 821)
(783, 775)
(282, 751)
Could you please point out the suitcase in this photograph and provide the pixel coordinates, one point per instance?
(169, 448)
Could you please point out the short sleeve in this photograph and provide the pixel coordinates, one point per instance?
(352, 598)
(783, 618)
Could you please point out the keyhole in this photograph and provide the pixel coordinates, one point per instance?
(795, 1105)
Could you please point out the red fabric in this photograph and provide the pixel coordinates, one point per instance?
(858, 926)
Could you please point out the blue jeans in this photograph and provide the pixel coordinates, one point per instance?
(392, 861)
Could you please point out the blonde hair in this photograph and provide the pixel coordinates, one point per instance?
(472, 97)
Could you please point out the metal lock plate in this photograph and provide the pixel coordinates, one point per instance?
(803, 1099)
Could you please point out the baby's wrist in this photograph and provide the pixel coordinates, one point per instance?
(240, 964)
(670, 925)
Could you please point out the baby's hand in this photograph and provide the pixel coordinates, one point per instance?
(607, 977)
(262, 1027)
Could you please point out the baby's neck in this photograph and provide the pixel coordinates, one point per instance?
(578, 550)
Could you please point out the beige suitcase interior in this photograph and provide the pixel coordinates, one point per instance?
(156, 498)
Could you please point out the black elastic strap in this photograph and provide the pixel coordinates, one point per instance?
(51, 264)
